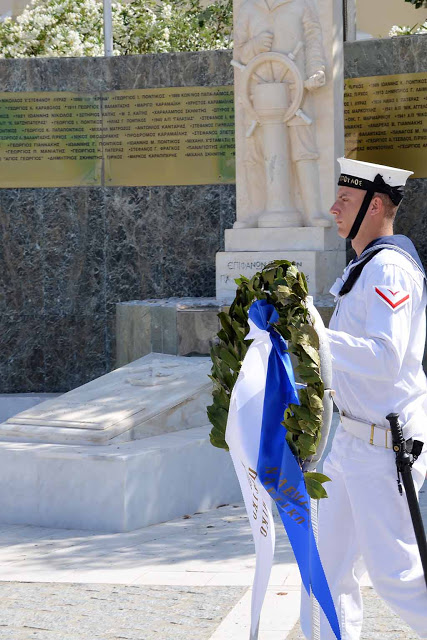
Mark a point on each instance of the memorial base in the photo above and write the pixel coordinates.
(318, 252)
(320, 268)
(124, 451)
(114, 488)
(179, 326)
(289, 239)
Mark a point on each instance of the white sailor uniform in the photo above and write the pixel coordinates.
(377, 337)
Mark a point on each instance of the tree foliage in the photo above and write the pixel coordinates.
(418, 4)
(416, 29)
(74, 28)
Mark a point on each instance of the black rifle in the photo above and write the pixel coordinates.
(404, 462)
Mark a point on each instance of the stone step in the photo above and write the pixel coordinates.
(289, 239)
(114, 488)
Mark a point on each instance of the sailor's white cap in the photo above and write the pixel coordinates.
(368, 171)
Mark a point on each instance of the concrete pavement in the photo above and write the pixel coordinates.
(188, 578)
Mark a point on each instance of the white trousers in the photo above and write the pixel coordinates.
(365, 524)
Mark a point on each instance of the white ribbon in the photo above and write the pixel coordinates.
(243, 436)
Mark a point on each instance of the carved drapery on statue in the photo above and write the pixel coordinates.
(279, 51)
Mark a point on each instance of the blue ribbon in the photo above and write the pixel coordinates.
(278, 469)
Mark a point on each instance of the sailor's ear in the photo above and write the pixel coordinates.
(376, 207)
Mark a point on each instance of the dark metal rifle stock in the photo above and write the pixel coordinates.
(404, 461)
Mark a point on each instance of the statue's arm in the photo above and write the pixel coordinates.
(315, 57)
(247, 47)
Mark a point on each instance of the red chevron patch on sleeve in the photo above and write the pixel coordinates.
(393, 297)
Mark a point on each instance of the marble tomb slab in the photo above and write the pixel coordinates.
(114, 488)
(153, 395)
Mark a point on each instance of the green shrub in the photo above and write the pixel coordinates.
(74, 28)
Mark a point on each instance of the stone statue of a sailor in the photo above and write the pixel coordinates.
(285, 26)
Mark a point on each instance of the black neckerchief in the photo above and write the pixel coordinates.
(399, 243)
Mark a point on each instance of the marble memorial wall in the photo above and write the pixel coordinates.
(137, 137)
(386, 116)
(376, 62)
(69, 254)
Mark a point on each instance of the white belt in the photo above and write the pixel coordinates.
(373, 433)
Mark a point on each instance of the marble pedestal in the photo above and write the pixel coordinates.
(177, 326)
(114, 488)
(124, 451)
(318, 252)
(184, 326)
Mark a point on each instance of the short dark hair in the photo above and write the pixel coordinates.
(389, 207)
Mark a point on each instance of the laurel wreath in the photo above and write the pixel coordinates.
(283, 286)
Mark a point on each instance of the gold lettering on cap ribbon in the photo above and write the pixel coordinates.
(348, 180)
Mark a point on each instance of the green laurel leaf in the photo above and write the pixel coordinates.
(281, 284)
(315, 475)
(230, 359)
(315, 489)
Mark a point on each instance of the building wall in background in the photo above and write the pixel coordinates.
(376, 17)
(405, 54)
(12, 7)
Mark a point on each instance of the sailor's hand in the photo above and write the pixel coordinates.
(263, 42)
(315, 81)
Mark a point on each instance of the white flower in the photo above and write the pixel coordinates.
(75, 28)
(167, 11)
(408, 31)
(395, 31)
(422, 28)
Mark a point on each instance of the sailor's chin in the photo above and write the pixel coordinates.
(340, 231)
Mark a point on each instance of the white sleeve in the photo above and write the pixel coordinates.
(389, 299)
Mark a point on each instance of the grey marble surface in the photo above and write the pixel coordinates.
(118, 72)
(69, 255)
(386, 56)
(411, 219)
(178, 326)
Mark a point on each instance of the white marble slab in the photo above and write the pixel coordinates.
(290, 239)
(114, 488)
(14, 403)
(320, 267)
(155, 394)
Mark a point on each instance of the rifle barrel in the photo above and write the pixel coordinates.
(417, 521)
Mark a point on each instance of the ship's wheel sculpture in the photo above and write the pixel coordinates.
(270, 104)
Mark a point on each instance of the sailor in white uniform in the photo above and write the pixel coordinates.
(377, 336)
